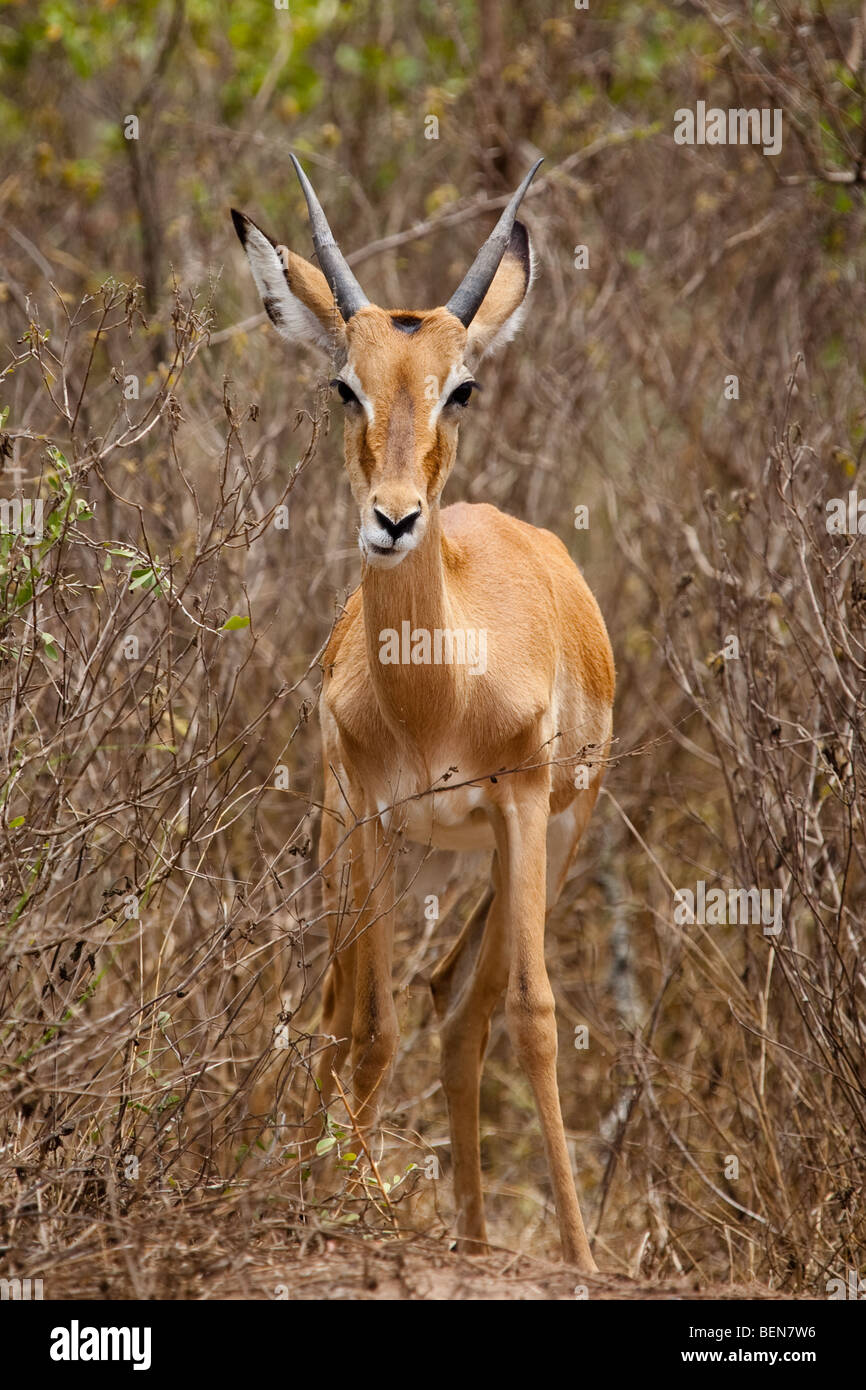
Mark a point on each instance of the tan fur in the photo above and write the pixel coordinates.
(503, 299)
(391, 732)
(308, 284)
(512, 734)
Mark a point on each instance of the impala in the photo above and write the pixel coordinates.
(434, 752)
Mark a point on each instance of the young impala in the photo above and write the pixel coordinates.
(525, 737)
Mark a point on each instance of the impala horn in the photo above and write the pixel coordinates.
(344, 287)
(466, 299)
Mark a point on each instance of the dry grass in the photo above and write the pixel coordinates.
(163, 942)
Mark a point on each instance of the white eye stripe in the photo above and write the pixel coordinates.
(350, 376)
(457, 374)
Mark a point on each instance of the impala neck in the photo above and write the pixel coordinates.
(418, 696)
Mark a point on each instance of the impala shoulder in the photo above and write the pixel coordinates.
(479, 533)
(482, 528)
(351, 619)
(547, 571)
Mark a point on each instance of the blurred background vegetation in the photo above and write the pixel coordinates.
(171, 1037)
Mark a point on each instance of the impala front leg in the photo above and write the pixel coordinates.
(374, 1021)
(338, 1001)
(521, 831)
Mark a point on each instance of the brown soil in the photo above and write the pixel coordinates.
(183, 1255)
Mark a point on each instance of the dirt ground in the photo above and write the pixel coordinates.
(187, 1255)
(421, 1271)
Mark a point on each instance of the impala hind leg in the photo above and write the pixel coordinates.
(466, 986)
(521, 833)
(564, 834)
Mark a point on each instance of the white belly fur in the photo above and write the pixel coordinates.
(458, 821)
(446, 820)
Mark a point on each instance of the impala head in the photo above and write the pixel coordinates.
(404, 376)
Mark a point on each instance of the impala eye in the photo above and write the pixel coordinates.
(460, 395)
(347, 395)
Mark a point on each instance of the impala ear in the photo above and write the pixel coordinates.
(295, 293)
(504, 305)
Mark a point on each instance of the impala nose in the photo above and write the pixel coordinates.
(396, 529)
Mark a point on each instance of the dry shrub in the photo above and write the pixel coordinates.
(183, 782)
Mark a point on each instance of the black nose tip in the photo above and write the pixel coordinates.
(396, 529)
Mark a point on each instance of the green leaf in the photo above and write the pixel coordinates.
(19, 820)
(138, 578)
(234, 623)
(325, 1145)
(50, 647)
